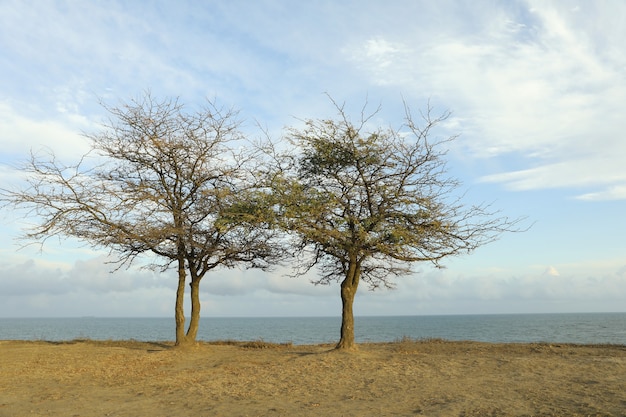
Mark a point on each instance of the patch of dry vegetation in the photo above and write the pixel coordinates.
(228, 378)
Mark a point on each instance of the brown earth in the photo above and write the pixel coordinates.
(404, 378)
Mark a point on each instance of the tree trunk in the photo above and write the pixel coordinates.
(179, 312)
(348, 290)
(192, 332)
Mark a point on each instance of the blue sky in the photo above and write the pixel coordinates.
(536, 88)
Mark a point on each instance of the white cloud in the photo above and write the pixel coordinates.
(552, 272)
(541, 85)
(237, 282)
(87, 288)
(503, 288)
(94, 275)
(21, 134)
(385, 60)
(28, 279)
(615, 192)
(601, 171)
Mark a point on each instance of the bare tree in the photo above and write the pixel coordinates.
(365, 205)
(158, 180)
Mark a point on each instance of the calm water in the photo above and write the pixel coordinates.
(563, 328)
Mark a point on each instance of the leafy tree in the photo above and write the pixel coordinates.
(366, 204)
(158, 180)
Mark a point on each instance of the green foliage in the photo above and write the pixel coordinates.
(380, 200)
(159, 180)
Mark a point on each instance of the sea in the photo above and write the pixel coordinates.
(579, 328)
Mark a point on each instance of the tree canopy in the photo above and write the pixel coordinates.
(158, 180)
(366, 204)
(362, 203)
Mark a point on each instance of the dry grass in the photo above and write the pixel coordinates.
(228, 378)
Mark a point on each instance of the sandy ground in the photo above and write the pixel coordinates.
(405, 378)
